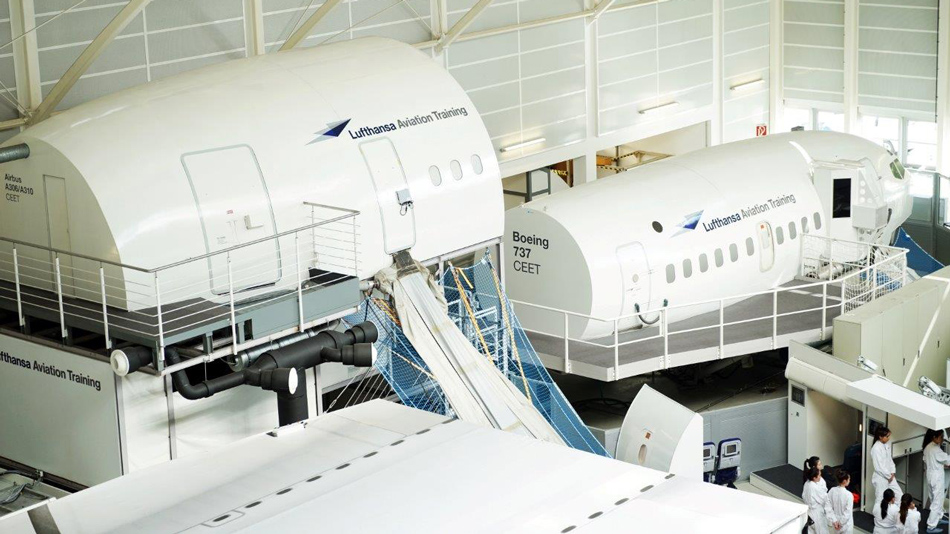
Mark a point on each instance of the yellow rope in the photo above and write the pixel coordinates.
(384, 306)
(420, 369)
(514, 344)
(461, 272)
(468, 308)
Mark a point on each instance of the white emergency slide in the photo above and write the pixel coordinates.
(381, 467)
(660, 433)
(475, 389)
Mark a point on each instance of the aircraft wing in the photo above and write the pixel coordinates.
(383, 467)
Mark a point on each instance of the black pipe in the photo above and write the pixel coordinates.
(271, 370)
(14, 152)
(293, 406)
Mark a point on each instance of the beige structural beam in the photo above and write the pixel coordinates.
(604, 5)
(253, 27)
(86, 59)
(304, 30)
(467, 19)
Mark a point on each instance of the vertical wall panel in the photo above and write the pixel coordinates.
(897, 61)
(745, 44)
(528, 84)
(814, 50)
(652, 55)
(409, 21)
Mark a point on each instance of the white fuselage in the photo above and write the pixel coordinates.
(720, 222)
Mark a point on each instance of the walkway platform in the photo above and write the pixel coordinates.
(642, 351)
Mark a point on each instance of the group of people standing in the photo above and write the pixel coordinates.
(831, 512)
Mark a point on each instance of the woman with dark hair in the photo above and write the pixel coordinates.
(883, 461)
(935, 461)
(839, 506)
(815, 462)
(908, 516)
(886, 514)
(814, 494)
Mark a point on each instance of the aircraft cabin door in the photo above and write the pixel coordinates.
(235, 208)
(636, 277)
(392, 194)
(766, 246)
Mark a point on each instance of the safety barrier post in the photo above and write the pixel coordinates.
(666, 339)
(824, 310)
(16, 280)
(356, 259)
(722, 328)
(874, 282)
(844, 291)
(299, 280)
(616, 349)
(105, 311)
(59, 296)
(774, 317)
(161, 325)
(234, 339)
(567, 361)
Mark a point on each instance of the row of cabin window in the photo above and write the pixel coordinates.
(435, 174)
(734, 250)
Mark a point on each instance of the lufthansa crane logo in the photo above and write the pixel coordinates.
(689, 223)
(332, 131)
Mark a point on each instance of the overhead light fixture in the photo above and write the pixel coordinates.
(747, 85)
(661, 107)
(525, 144)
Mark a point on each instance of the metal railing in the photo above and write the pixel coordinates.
(160, 305)
(859, 280)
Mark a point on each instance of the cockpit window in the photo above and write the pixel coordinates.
(897, 169)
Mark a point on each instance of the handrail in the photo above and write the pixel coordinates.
(740, 296)
(867, 272)
(349, 213)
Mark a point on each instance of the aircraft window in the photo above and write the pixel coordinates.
(792, 230)
(804, 225)
(779, 235)
(841, 198)
(897, 169)
(477, 164)
(733, 252)
(817, 221)
(670, 274)
(456, 169)
(749, 246)
(703, 263)
(687, 268)
(719, 260)
(657, 227)
(435, 175)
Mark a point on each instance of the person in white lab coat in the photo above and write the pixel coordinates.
(814, 461)
(908, 517)
(887, 514)
(839, 506)
(814, 495)
(935, 462)
(884, 476)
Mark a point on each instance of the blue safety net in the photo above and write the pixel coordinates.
(482, 311)
(917, 258)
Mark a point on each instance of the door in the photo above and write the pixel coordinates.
(766, 246)
(392, 193)
(235, 208)
(57, 219)
(636, 277)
